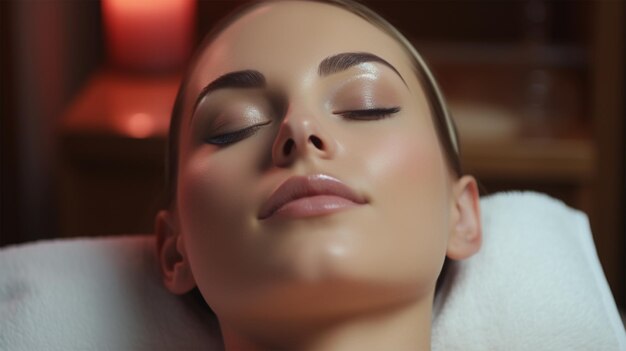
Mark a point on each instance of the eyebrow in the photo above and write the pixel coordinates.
(341, 62)
(246, 79)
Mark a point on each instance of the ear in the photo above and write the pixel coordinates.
(465, 230)
(173, 259)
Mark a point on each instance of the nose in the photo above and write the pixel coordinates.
(301, 137)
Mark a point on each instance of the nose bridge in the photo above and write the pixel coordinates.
(301, 134)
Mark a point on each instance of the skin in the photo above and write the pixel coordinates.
(359, 278)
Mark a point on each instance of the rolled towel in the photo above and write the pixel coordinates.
(536, 284)
(94, 294)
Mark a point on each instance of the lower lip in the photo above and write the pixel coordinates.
(314, 206)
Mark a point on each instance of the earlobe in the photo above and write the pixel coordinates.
(173, 259)
(466, 232)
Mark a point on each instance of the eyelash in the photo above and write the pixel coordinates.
(359, 115)
(233, 137)
(369, 114)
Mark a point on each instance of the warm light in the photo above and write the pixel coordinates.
(149, 35)
(140, 125)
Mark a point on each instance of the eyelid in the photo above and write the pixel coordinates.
(369, 113)
(219, 107)
(225, 139)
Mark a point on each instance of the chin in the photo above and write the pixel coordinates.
(344, 283)
(332, 295)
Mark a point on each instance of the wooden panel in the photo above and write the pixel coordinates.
(110, 185)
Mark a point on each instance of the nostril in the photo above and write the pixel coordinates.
(317, 142)
(288, 147)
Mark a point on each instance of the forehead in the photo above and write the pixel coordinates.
(283, 37)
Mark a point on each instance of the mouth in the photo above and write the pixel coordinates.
(308, 196)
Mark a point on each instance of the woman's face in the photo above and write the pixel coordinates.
(298, 182)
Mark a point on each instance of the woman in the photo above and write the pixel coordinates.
(315, 183)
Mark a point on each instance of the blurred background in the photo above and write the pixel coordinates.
(536, 88)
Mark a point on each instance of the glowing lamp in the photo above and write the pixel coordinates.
(149, 35)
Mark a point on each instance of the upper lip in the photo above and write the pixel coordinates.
(298, 187)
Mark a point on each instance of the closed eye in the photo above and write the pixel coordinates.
(233, 137)
(368, 114)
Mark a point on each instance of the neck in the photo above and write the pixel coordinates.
(406, 327)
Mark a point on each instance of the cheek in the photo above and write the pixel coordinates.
(407, 162)
(410, 162)
(204, 187)
(213, 211)
(410, 197)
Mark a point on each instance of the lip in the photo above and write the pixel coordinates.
(307, 196)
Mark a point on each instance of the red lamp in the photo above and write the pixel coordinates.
(149, 35)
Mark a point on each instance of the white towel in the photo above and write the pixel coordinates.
(535, 285)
